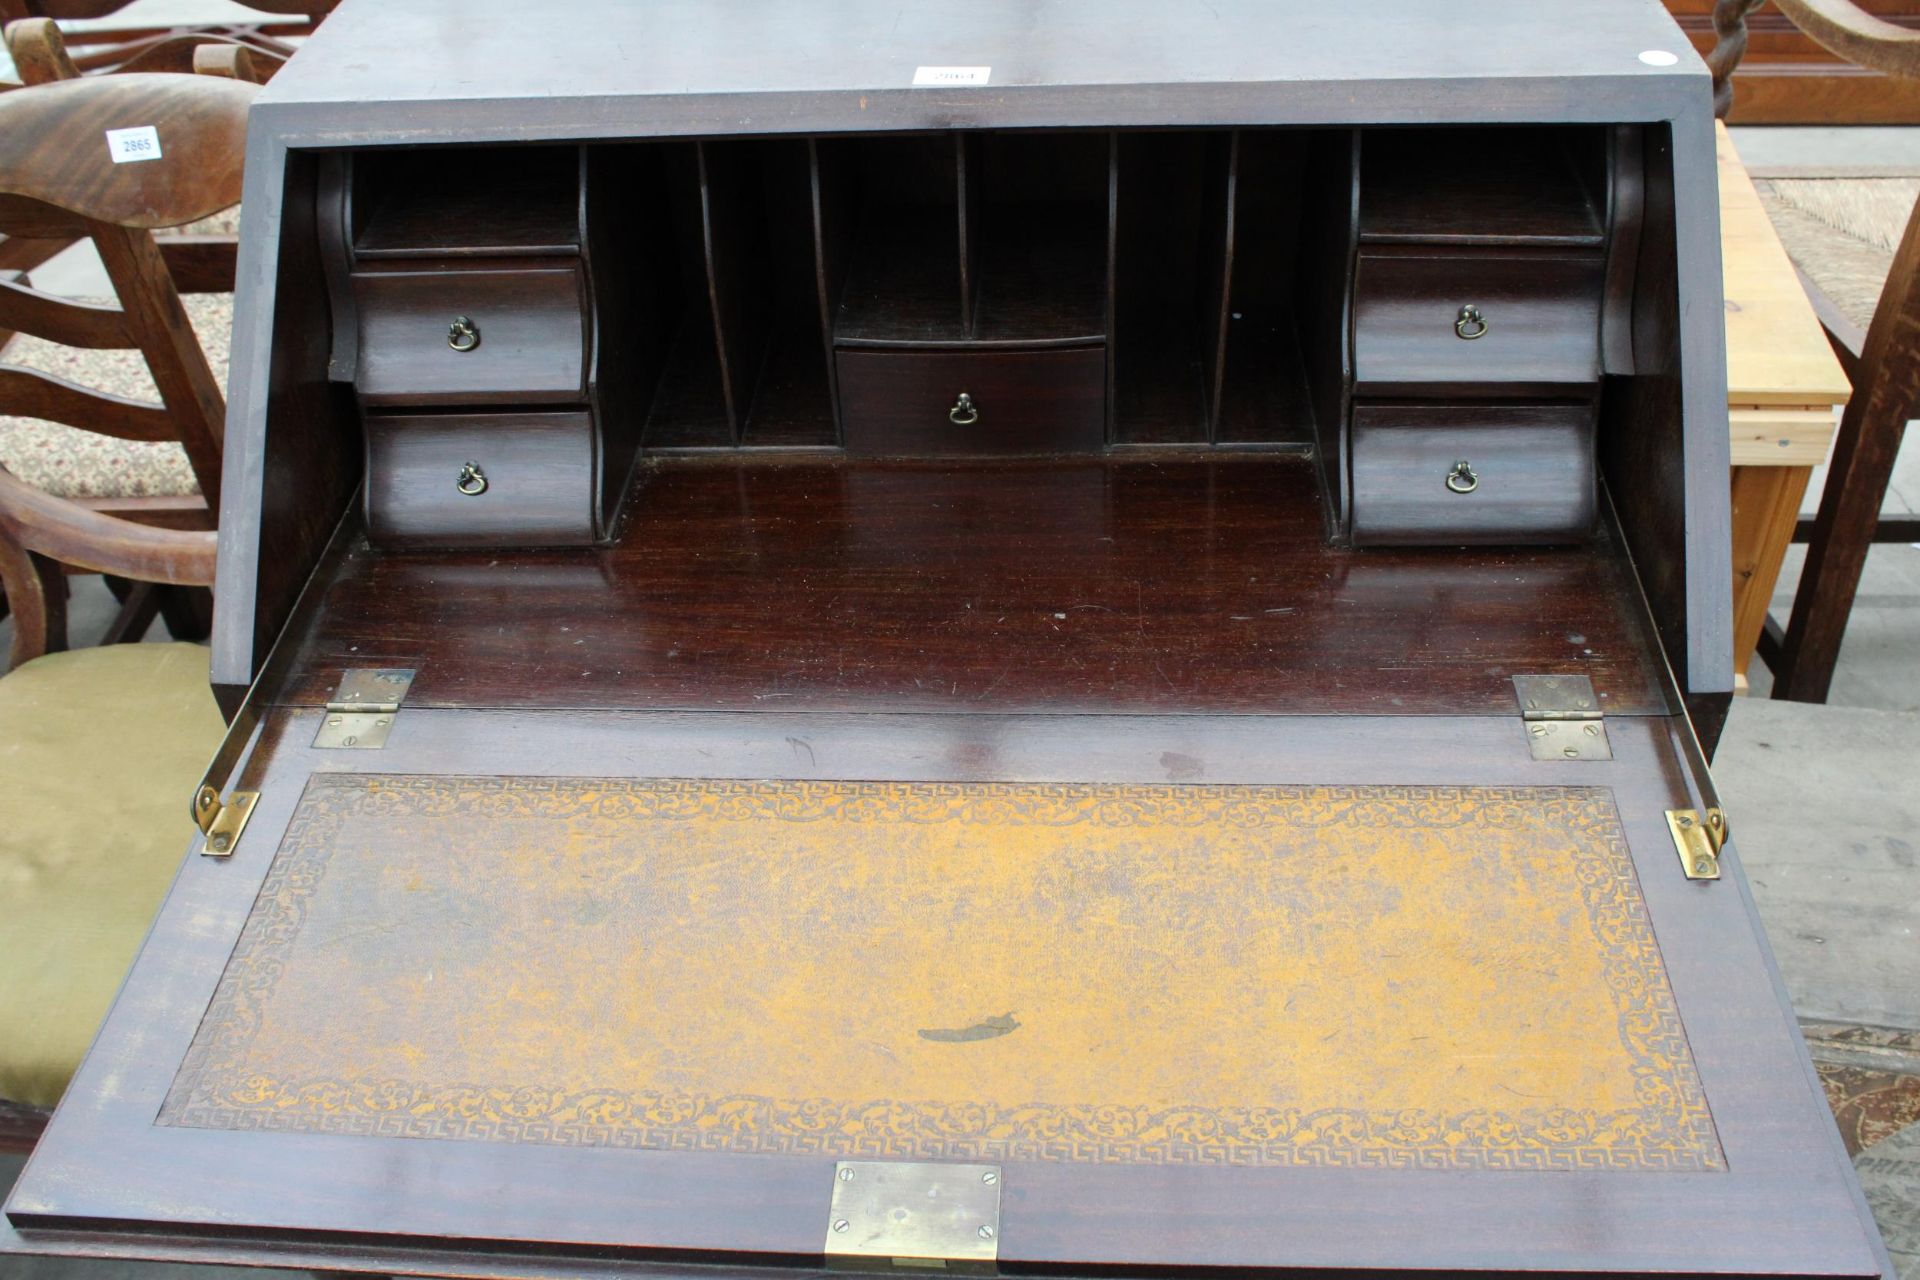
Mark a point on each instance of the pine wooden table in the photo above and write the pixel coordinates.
(1783, 385)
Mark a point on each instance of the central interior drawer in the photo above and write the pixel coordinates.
(972, 403)
(523, 330)
(1534, 319)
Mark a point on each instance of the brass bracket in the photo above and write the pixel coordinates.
(918, 1215)
(221, 823)
(1698, 838)
(360, 714)
(1562, 717)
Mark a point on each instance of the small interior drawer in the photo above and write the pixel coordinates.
(1528, 474)
(1535, 320)
(524, 334)
(1015, 402)
(531, 484)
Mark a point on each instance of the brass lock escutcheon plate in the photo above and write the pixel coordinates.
(914, 1214)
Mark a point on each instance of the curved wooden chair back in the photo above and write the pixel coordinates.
(174, 48)
(54, 152)
(41, 536)
(1839, 26)
(59, 180)
(1883, 364)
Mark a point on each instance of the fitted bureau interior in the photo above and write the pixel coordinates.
(854, 418)
(1374, 299)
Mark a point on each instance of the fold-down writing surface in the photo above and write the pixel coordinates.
(1446, 977)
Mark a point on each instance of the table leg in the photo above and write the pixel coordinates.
(1766, 503)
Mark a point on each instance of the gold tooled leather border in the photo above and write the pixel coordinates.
(1671, 1128)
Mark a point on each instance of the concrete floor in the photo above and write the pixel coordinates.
(1825, 812)
(1824, 801)
(1864, 148)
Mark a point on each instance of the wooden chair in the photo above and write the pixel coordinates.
(198, 263)
(1883, 364)
(175, 48)
(103, 746)
(57, 182)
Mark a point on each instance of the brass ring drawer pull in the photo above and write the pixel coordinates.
(473, 481)
(1462, 479)
(463, 334)
(1470, 324)
(964, 412)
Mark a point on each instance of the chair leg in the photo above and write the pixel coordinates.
(1836, 557)
(139, 606)
(1884, 395)
(37, 591)
(188, 611)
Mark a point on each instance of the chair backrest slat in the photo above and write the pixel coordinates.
(29, 393)
(58, 178)
(24, 309)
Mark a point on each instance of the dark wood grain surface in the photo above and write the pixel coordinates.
(538, 469)
(1160, 238)
(633, 296)
(1219, 210)
(1263, 388)
(748, 616)
(1077, 65)
(970, 184)
(1042, 274)
(793, 404)
(1329, 242)
(309, 464)
(468, 202)
(1641, 437)
(1542, 316)
(1484, 187)
(1626, 213)
(1531, 468)
(1782, 1205)
(834, 222)
(741, 305)
(903, 280)
(1185, 584)
(904, 403)
(531, 324)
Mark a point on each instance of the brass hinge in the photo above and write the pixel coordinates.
(910, 1214)
(361, 712)
(1698, 837)
(1562, 717)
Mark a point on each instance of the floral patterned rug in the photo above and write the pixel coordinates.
(1872, 1080)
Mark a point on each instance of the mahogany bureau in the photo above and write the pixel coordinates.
(1064, 638)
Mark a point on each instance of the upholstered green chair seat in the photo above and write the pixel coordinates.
(99, 753)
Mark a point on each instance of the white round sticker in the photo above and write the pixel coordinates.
(1659, 58)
